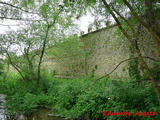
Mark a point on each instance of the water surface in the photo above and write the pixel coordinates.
(42, 114)
(2, 108)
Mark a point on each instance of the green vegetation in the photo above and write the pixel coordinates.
(72, 98)
(49, 29)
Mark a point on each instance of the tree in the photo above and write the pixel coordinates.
(33, 40)
(133, 39)
(135, 9)
(1, 67)
(70, 54)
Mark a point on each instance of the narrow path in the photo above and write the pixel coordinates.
(2, 102)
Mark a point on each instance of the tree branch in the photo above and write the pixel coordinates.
(123, 18)
(123, 61)
(15, 66)
(9, 18)
(129, 38)
(44, 45)
(8, 4)
(126, 61)
(154, 35)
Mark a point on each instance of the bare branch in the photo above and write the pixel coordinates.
(123, 18)
(4, 3)
(21, 19)
(123, 61)
(126, 61)
(154, 35)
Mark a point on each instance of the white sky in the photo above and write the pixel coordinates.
(82, 23)
(85, 21)
(4, 29)
(15, 25)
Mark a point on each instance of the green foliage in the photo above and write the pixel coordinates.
(134, 69)
(119, 40)
(71, 46)
(89, 2)
(70, 53)
(72, 98)
(30, 42)
(1, 67)
(24, 97)
(156, 70)
(114, 95)
(28, 3)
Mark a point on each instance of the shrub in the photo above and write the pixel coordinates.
(80, 98)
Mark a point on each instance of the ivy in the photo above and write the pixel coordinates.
(134, 70)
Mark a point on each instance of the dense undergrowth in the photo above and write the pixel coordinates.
(78, 98)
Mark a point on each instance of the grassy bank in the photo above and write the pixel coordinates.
(75, 98)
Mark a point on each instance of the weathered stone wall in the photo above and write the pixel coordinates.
(105, 55)
(103, 58)
(106, 51)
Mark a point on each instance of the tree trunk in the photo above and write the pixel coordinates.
(129, 38)
(14, 66)
(41, 56)
(147, 26)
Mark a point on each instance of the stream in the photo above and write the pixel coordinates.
(42, 114)
(2, 108)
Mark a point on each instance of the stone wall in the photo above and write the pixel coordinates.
(106, 52)
(105, 55)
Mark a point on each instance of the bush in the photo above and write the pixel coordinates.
(112, 95)
(79, 98)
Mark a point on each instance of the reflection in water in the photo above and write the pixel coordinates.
(42, 114)
(2, 102)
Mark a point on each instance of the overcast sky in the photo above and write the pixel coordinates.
(15, 25)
